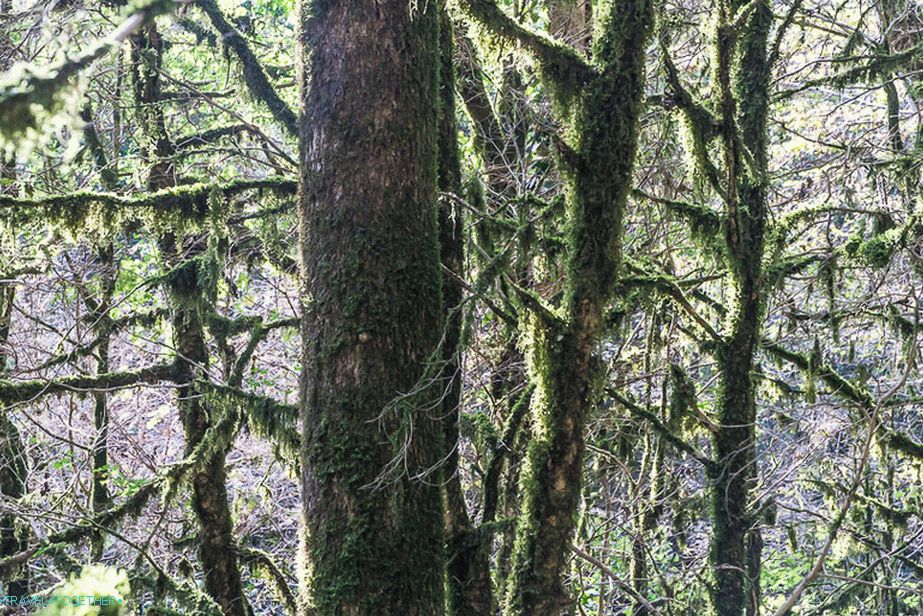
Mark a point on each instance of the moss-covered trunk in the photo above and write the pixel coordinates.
(14, 536)
(469, 589)
(744, 79)
(372, 435)
(216, 547)
(561, 353)
(103, 329)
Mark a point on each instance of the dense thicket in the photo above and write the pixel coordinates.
(476, 308)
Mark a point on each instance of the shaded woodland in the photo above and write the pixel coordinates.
(476, 308)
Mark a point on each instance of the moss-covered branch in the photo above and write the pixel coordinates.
(560, 63)
(22, 391)
(171, 208)
(268, 418)
(262, 561)
(164, 484)
(211, 136)
(702, 219)
(842, 387)
(876, 65)
(29, 96)
(253, 73)
(662, 429)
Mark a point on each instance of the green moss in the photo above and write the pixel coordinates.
(101, 215)
(32, 98)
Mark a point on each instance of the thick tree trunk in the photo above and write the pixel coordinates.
(370, 255)
(216, 547)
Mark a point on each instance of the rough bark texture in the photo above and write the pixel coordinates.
(217, 551)
(744, 78)
(372, 320)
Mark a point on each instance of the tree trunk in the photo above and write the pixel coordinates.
(372, 435)
(217, 551)
(14, 536)
(468, 584)
(744, 78)
(561, 354)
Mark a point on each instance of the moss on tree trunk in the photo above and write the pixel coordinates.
(743, 72)
(372, 434)
(469, 589)
(561, 354)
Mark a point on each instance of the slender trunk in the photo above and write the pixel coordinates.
(217, 550)
(102, 328)
(14, 536)
(561, 354)
(468, 583)
(499, 153)
(372, 436)
(744, 78)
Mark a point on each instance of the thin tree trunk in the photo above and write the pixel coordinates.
(468, 584)
(743, 74)
(372, 435)
(217, 551)
(14, 536)
(102, 328)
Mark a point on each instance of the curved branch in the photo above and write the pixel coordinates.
(253, 73)
(560, 63)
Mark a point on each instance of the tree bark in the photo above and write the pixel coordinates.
(561, 352)
(372, 435)
(469, 589)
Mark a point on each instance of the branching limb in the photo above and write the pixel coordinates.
(559, 62)
(253, 73)
(262, 560)
(23, 391)
(662, 429)
(183, 203)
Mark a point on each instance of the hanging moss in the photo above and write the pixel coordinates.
(682, 400)
(178, 210)
(31, 98)
(258, 85)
